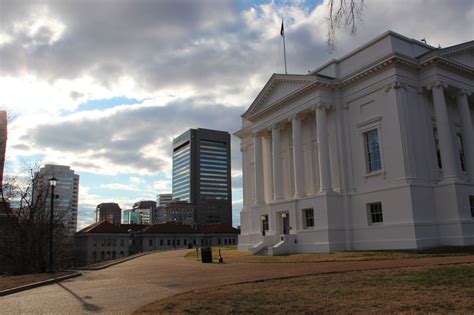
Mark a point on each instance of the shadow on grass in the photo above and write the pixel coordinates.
(86, 306)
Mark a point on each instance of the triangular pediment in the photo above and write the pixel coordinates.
(278, 87)
(463, 54)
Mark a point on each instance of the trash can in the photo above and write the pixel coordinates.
(206, 254)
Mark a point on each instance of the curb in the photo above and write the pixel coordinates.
(38, 284)
(115, 262)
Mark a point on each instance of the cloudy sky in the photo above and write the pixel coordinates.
(104, 86)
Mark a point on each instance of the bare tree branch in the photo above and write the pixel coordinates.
(343, 14)
(25, 225)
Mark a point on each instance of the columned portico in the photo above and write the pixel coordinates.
(276, 163)
(467, 132)
(298, 159)
(444, 131)
(323, 152)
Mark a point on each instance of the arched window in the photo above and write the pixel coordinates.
(121, 253)
(94, 256)
(108, 255)
(102, 255)
(113, 255)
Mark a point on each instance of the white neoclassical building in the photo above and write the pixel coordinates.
(374, 150)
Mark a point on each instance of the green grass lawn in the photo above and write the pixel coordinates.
(443, 289)
(231, 254)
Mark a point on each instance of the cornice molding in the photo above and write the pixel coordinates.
(458, 51)
(444, 62)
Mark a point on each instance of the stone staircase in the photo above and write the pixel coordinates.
(262, 252)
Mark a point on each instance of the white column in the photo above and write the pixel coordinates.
(323, 150)
(268, 167)
(298, 158)
(258, 169)
(467, 133)
(444, 132)
(244, 176)
(277, 165)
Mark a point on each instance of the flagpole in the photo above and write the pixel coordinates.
(284, 46)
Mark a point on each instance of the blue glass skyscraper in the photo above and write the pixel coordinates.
(201, 174)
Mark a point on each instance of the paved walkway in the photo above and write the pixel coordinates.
(123, 288)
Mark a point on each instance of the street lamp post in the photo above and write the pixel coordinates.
(52, 183)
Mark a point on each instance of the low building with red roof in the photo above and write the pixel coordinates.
(103, 240)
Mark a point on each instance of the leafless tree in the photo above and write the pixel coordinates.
(343, 14)
(24, 226)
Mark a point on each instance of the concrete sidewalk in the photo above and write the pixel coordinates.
(123, 288)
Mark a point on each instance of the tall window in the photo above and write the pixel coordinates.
(308, 217)
(438, 153)
(375, 212)
(471, 201)
(372, 150)
(461, 150)
(264, 219)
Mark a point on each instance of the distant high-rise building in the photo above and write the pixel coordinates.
(3, 142)
(201, 174)
(67, 191)
(108, 211)
(159, 215)
(145, 210)
(163, 199)
(131, 217)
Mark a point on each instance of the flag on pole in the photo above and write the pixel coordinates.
(282, 33)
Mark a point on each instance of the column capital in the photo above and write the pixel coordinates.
(267, 132)
(436, 84)
(277, 126)
(462, 92)
(396, 85)
(321, 106)
(296, 117)
(421, 90)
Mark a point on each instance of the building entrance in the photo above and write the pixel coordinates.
(285, 219)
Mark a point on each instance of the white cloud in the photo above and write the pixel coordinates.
(118, 186)
(162, 186)
(194, 63)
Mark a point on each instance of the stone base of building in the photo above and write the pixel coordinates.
(415, 217)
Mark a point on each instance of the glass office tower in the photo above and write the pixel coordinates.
(201, 174)
(182, 173)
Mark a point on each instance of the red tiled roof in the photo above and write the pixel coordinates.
(164, 228)
(216, 229)
(102, 227)
(134, 227)
(169, 228)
